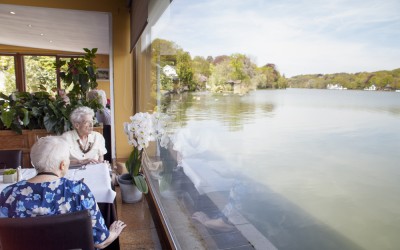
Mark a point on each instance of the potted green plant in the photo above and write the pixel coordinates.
(142, 129)
(10, 175)
(81, 73)
(50, 111)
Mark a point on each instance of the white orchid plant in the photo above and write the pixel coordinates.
(143, 129)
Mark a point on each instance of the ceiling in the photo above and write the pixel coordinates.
(55, 29)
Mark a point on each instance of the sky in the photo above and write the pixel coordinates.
(299, 37)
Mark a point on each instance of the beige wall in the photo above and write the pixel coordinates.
(121, 57)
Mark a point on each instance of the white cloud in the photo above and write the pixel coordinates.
(299, 37)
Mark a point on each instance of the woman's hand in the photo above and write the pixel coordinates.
(117, 227)
(89, 161)
(115, 230)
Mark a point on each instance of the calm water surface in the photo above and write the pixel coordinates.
(321, 167)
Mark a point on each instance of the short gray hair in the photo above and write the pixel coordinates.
(78, 114)
(98, 94)
(48, 153)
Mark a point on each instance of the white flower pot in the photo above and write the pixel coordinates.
(129, 192)
(10, 178)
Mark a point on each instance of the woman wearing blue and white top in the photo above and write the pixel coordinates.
(49, 193)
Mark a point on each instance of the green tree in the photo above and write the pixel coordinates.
(202, 71)
(220, 76)
(7, 75)
(237, 62)
(184, 69)
(40, 71)
(201, 66)
(163, 52)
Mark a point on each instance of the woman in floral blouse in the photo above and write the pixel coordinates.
(49, 193)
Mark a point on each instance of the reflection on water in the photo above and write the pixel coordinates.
(310, 169)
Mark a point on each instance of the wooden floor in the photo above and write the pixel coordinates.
(140, 232)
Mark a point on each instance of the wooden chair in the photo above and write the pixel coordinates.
(107, 138)
(10, 158)
(64, 231)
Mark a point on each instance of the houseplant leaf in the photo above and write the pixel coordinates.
(141, 184)
(25, 121)
(7, 117)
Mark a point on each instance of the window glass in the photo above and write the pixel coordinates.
(40, 71)
(284, 122)
(7, 74)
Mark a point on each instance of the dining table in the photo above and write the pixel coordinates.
(97, 177)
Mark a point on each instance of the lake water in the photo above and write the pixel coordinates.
(311, 169)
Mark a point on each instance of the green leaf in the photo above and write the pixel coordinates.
(141, 184)
(90, 71)
(26, 117)
(7, 117)
(48, 123)
(3, 96)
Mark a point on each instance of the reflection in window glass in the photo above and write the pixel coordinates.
(7, 75)
(265, 152)
(40, 71)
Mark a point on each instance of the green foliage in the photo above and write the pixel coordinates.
(14, 111)
(39, 73)
(220, 76)
(237, 62)
(201, 66)
(184, 69)
(9, 171)
(7, 74)
(80, 74)
(38, 110)
(45, 110)
(133, 165)
(166, 83)
(383, 80)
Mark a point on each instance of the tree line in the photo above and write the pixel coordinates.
(222, 72)
(217, 74)
(383, 80)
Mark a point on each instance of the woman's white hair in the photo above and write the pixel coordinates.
(78, 114)
(98, 94)
(48, 153)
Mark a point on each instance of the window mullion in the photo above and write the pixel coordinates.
(19, 72)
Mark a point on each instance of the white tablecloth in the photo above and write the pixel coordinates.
(97, 177)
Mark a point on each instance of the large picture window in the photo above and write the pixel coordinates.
(284, 122)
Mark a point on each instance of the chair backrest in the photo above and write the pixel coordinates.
(64, 231)
(10, 158)
(107, 138)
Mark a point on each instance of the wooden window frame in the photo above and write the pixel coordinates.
(19, 65)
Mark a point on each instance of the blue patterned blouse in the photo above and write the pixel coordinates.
(25, 199)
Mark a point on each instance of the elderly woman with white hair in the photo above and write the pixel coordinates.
(49, 193)
(86, 146)
(103, 115)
